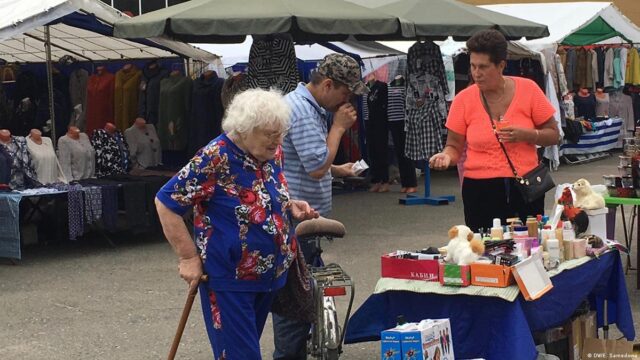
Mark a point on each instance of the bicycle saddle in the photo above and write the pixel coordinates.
(320, 227)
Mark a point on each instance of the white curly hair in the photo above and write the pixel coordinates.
(257, 108)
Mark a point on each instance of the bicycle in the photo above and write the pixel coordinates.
(328, 281)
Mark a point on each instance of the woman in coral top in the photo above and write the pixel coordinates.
(523, 118)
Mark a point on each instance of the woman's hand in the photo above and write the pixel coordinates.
(301, 210)
(440, 161)
(511, 134)
(190, 269)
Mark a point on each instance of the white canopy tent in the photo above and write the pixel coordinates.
(46, 30)
(22, 33)
(566, 19)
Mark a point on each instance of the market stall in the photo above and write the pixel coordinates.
(590, 28)
(95, 86)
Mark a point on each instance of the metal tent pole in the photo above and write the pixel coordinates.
(52, 117)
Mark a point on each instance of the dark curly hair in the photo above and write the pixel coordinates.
(490, 42)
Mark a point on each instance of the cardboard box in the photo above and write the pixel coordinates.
(532, 278)
(412, 269)
(429, 339)
(491, 275)
(390, 348)
(455, 275)
(442, 329)
(589, 325)
(598, 222)
(573, 329)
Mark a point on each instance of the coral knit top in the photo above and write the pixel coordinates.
(529, 108)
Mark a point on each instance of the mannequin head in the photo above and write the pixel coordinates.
(5, 135)
(101, 69)
(584, 91)
(36, 136)
(110, 128)
(127, 66)
(140, 123)
(73, 132)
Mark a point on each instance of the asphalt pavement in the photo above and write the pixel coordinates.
(89, 300)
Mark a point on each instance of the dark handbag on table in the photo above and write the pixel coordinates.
(532, 185)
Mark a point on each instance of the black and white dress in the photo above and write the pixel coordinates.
(112, 153)
(425, 103)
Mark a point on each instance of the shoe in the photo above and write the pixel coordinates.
(384, 188)
(374, 188)
(411, 190)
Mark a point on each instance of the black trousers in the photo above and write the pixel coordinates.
(378, 145)
(406, 165)
(486, 199)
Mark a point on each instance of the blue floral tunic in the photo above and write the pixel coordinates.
(241, 216)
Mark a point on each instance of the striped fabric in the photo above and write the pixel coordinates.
(605, 138)
(273, 64)
(395, 109)
(305, 151)
(365, 107)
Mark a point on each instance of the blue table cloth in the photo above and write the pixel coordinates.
(10, 225)
(493, 328)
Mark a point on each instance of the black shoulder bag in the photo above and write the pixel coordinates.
(534, 184)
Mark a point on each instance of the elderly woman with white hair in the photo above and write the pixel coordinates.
(244, 240)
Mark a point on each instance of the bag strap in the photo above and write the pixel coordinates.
(495, 132)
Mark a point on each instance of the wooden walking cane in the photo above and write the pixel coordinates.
(193, 290)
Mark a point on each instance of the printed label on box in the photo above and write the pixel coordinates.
(486, 279)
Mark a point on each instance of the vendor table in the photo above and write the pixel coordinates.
(494, 328)
(613, 203)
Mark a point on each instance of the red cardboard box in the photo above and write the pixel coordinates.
(455, 275)
(491, 275)
(394, 267)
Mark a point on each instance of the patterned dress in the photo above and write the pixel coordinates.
(426, 107)
(242, 232)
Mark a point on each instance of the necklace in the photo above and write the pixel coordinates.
(504, 91)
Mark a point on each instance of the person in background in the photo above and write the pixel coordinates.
(242, 222)
(523, 119)
(309, 151)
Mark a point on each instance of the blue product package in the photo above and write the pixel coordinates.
(390, 345)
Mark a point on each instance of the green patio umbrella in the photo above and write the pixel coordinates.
(228, 21)
(437, 19)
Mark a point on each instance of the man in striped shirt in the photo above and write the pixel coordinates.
(309, 151)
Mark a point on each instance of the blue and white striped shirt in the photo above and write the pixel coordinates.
(305, 150)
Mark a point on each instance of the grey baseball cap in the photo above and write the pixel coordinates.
(345, 69)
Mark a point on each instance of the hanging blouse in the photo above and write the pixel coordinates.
(100, 105)
(174, 112)
(144, 146)
(273, 63)
(77, 157)
(45, 161)
(127, 86)
(112, 153)
(78, 94)
(396, 103)
(425, 102)
(23, 175)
